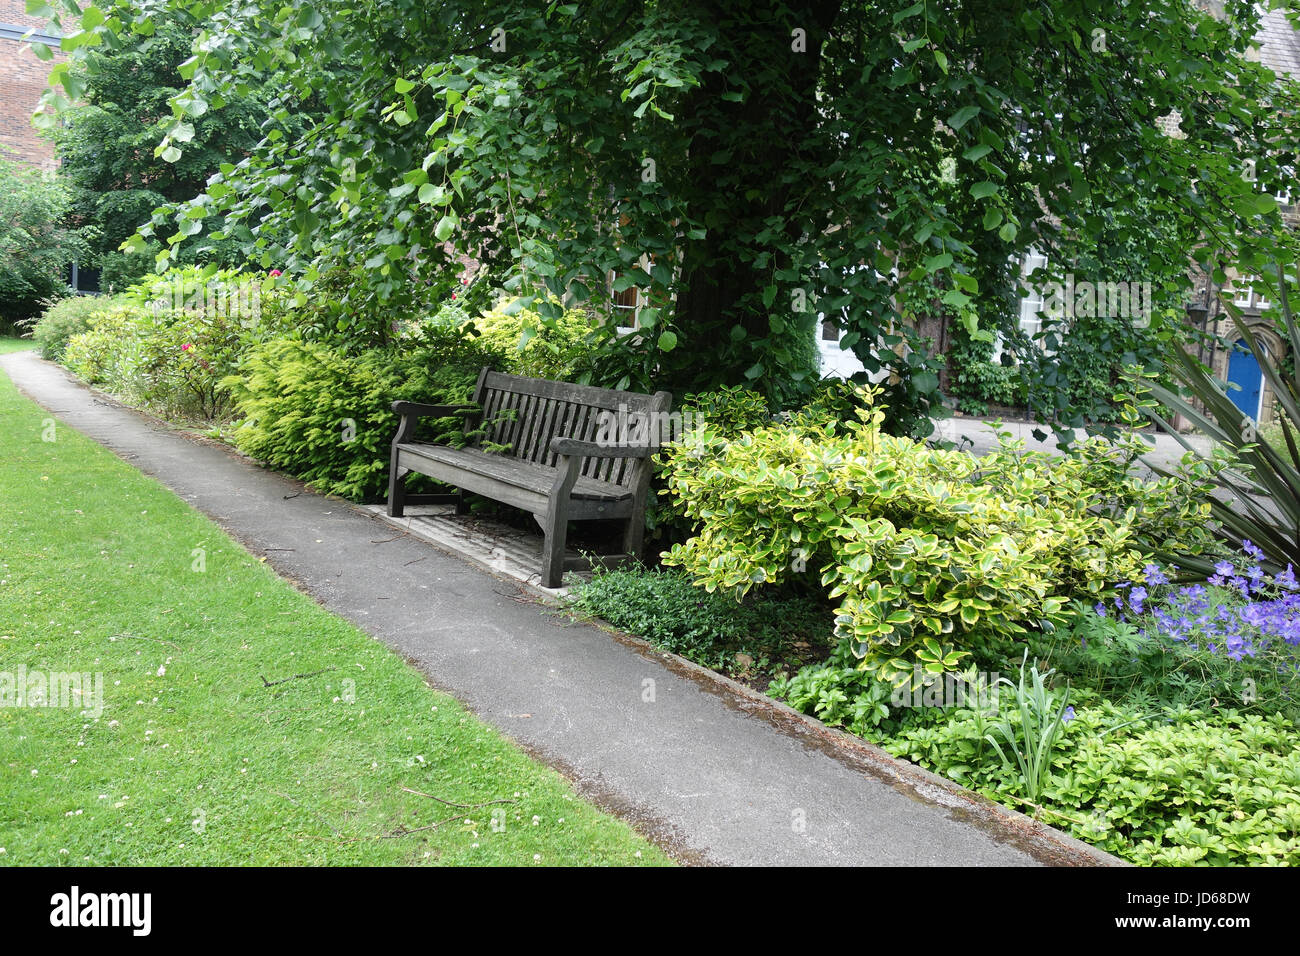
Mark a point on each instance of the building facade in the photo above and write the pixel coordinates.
(22, 80)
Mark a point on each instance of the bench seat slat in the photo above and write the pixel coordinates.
(526, 475)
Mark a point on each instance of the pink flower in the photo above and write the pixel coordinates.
(453, 297)
(275, 273)
(186, 347)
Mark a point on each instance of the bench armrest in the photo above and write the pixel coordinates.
(412, 412)
(591, 449)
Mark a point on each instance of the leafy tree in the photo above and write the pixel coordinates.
(36, 245)
(106, 142)
(735, 161)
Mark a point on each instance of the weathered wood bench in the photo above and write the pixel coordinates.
(535, 445)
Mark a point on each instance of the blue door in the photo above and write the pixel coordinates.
(1243, 371)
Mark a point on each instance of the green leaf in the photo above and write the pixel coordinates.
(446, 226)
(983, 190)
(963, 116)
(925, 382)
(667, 341)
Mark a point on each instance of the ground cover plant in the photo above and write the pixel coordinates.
(200, 756)
(749, 641)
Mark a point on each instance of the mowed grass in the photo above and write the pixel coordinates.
(9, 344)
(194, 761)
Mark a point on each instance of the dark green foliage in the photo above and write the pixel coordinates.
(106, 144)
(858, 164)
(36, 244)
(838, 693)
(710, 629)
(976, 380)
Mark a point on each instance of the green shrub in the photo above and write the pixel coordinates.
(64, 319)
(975, 380)
(170, 362)
(562, 349)
(665, 608)
(324, 415)
(917, 542)
(728, 410)
(106, 352)
(121, 270)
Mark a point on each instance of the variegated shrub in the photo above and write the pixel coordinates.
(926, 549)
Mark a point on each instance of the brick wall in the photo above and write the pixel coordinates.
(22, 80)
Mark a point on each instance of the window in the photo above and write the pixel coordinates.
(626, 304)
(1031, 302)
(1245, 296)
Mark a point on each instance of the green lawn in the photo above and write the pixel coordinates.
(8, 344)
(193, 759)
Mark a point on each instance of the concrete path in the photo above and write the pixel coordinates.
(978, 436)
(709, 770)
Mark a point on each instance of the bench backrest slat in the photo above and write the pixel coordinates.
(526, 414)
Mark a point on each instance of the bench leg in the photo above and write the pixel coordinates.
(396, 490)
(633, 535)
(556, 533)
(462, 506)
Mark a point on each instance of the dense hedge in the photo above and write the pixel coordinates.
(324, 415)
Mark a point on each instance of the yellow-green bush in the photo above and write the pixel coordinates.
(561, 349)
(928, 550)
(66, 318)
(325, 415)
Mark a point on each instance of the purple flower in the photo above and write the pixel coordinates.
(1069, 715)
(1155, 577)
(1251, 550)
(1100, 609)
(1136, 597)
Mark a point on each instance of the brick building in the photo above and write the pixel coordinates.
(22, 80)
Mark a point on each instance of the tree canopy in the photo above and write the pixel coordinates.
(744, 165)
(106, 142)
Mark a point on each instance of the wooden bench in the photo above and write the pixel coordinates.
(536, 445)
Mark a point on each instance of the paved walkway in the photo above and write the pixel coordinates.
(714, 774)
(978, 436)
